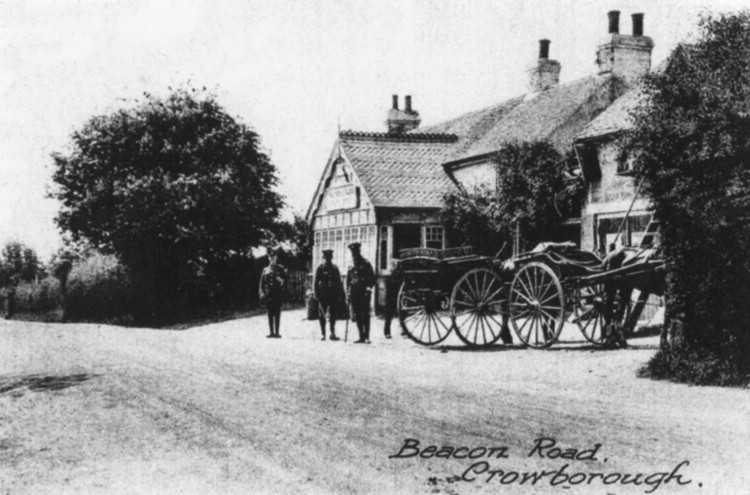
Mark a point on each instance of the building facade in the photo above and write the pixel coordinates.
(385, 189)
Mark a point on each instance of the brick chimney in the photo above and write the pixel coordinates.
(546, 73)
(625, 56)
(401, 121)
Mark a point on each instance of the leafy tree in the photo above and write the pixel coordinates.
(18, 262)
(693, 135)
(298, 235)
(471, 217)
(170, 185)
(534, 192)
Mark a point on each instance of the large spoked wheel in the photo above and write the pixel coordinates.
(596, 310)
(477, 305)
(536, 305)
(424, 315)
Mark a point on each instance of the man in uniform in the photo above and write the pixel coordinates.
(360, 280)
(271, 291)
(328, 291)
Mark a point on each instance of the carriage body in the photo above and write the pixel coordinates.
(443, 290)
(534, 293)
(558, 283)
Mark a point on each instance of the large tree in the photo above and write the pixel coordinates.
(170, 185)
(533, 195)
(692, 133)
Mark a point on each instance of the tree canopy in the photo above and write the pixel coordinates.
(692, 133)
(533, 191)
(169, 185)
(18, 262)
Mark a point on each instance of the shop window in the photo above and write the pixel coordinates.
(434, 237)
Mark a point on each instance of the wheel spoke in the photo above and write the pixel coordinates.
(484, 333)
(414, 315)
(492, 296)
(548, 315)
(530, 287)
(546, 289)
(499, 323)
(464, 303)
(442, 323)
(469, 298)
(528, 301)
(525, 287)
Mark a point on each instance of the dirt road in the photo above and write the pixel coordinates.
(221, 409)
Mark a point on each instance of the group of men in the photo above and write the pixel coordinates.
(330, 293)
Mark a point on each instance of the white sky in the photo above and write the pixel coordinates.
(290, 69)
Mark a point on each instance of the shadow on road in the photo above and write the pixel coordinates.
(562, 346)
(43, 383)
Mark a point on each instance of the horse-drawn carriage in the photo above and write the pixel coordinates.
(534, 293)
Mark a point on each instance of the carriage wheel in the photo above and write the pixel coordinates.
(477, 305)
(595, 310)
(537, 305)
(424, 315)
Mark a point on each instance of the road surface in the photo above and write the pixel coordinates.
(220, 409)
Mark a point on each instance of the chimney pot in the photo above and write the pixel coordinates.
(614, 21)
(637, 24)
(395, 102)
(407, 103)
(543, 48)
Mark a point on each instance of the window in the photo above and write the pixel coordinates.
(363, 234)
(624, 165)
(434, 237)
(631, 234)
(339, 235)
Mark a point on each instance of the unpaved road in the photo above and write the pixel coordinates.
(221, 409)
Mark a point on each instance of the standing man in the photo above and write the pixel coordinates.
(360, 280)
(392, 286)
(328, 292)
(271, 291)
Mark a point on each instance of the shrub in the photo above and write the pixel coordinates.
(99, 288)
(692, 133)
(38, 297)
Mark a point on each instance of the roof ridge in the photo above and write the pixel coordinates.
(426, 137)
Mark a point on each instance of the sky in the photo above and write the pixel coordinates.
(295, 71)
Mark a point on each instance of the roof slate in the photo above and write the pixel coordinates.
(555, 115)
(400, 172)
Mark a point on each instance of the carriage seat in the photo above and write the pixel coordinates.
(625, 256)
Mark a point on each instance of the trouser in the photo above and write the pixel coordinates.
(361, 310)
(274, 315)
(327, 306)
(390, 313)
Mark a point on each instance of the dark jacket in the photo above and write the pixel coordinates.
(327, 283)
(273, 281)
(360, 278)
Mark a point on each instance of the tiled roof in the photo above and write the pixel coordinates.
(614, 119)
(406, 170)
(556, 115)
(401, 171)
